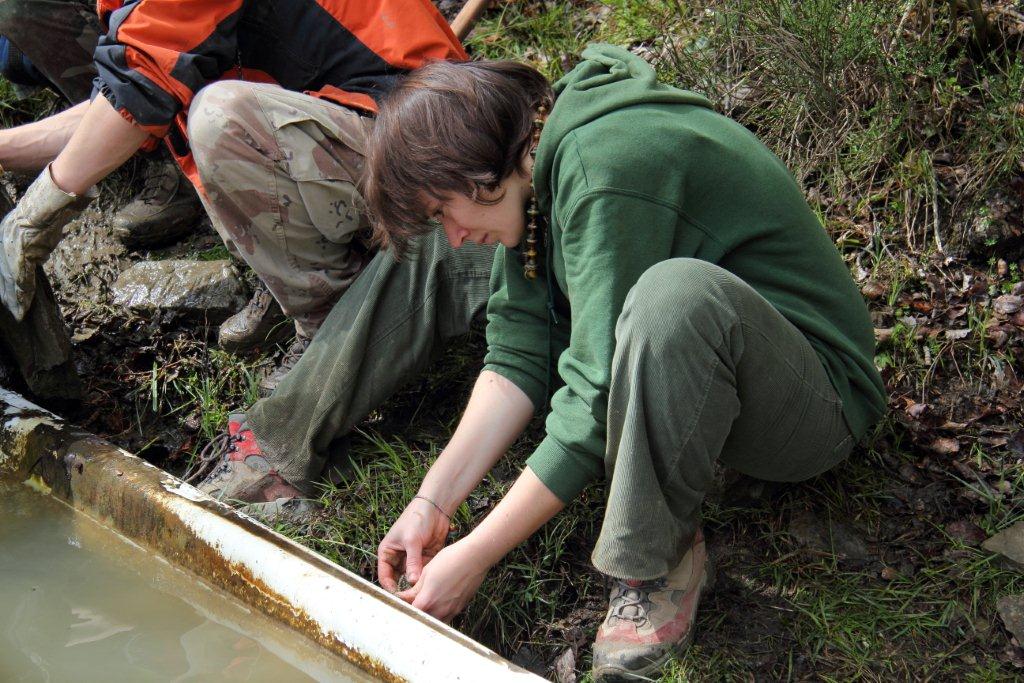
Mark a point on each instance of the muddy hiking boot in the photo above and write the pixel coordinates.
(166, 209)
(288, 360)
(29, 233)
(242, 474)
(649, 621)
(260, 323)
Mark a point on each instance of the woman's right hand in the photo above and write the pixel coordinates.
(413, 540)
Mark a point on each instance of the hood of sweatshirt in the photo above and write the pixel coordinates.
(609, 78)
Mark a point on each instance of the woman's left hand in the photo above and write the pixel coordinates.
(449, 582)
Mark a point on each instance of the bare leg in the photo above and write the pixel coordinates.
(29, 148)
(102, 141)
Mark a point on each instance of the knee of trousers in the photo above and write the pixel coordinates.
(676, 304)
(218, 115)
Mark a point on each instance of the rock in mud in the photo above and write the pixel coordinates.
(1009, 543)
(1011, 611)
(213, 288)
(565, 667)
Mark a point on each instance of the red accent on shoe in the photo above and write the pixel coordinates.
(243, 441)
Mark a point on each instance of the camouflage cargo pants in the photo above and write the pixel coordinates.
(279, 171)
(58, 37)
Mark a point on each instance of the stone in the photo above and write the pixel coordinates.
(832, 537)
(1009, 543)
(872, 290)
(565, 667)
(213, 288)
(1011, 611)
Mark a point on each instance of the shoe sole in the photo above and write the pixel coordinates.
(296, 513)
(611, 674)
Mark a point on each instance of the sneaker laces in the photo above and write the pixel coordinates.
(152, 183)
(626, 596)
(213, 459)
(258, 298)
(294, 352)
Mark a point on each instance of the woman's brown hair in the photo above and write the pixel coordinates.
(448, 127)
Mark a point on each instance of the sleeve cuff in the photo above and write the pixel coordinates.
(565, 473)
(534, 389)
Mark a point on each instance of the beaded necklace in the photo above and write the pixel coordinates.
(530, 267)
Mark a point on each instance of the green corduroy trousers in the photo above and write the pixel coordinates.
(382, 333)
(705, 370)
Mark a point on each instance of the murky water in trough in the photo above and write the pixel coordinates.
(79, 603)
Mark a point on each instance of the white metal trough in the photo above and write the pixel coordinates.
(345, 614)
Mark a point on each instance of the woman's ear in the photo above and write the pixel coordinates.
(525, 168)
(489, 196)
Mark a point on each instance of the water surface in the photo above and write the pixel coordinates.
(80, 603)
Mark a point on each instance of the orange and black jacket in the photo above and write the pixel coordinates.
(157, 54)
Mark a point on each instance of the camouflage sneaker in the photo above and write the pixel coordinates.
(165, 210)
(242, 472)
(649, 621)
(260, 323)
(288, 361)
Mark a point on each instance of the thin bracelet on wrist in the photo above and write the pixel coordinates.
(439, 508)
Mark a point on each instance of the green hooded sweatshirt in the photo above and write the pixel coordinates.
(632, 172)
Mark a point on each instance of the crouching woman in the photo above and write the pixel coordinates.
(661, 272)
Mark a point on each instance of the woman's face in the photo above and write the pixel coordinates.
(495, 217)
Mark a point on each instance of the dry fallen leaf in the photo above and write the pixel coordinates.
(916, 410)
(945, 445)
(1016, 443)
(1007, 304)
(956, 312)
(966, 531)
(1011, 611)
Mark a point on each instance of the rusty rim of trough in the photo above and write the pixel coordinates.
(342, 612)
